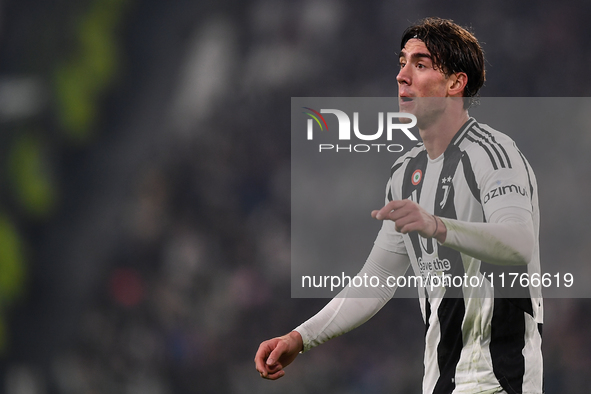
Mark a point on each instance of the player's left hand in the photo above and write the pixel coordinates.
(410, 216)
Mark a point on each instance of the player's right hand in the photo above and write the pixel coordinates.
(277, 353)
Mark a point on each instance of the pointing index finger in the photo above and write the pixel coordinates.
(383, 213)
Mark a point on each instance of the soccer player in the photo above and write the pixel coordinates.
(461, 203)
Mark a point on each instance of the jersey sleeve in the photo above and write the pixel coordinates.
(353, 306)
(507, 239)
(504, 181)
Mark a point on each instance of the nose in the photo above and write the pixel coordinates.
(403, 75)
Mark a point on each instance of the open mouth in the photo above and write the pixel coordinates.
(406, 99)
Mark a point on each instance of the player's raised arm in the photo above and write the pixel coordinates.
(507, 240)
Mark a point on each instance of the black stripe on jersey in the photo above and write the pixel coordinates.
(427, 312)
(444, 196)
(488, 152)
(419, 162)
(495, 144)
(450, 313)
(394, 168)
(486, 138)
(459, 137)
(504, 153)
(508, 328)
(499, 271)
(543, 381)
(507, 342)
(478, 133)
(452, 309)
(469, 176)
(531, 187)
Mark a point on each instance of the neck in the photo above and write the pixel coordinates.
(437, 135)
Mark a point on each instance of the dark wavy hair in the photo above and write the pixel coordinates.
(453, 49)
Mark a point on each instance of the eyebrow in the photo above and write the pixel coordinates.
(419, 55)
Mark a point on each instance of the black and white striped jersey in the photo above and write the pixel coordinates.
(477, 338)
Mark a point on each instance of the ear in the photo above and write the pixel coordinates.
(457, 83)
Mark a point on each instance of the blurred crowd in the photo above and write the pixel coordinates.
(145, 207)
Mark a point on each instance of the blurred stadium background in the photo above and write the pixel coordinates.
(145, 194)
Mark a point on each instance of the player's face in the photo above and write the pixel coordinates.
(419, 79)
